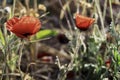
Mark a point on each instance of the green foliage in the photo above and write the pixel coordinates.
(116, 56)
(2, 40)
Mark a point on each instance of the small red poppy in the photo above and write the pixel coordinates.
(108, 63)
(82, 22)
(45, 57)
(23, 27)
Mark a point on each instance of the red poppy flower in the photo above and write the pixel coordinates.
(45, 57)
(108, 63)
(23, 27)
(82, 22)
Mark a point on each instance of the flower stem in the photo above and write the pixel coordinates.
(19, 61)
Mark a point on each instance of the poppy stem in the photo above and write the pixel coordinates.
(78, 7)
(20, 57)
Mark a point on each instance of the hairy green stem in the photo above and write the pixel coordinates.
(19, 61)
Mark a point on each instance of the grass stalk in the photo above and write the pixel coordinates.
(97, 3)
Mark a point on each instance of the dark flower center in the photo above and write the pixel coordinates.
(27, 34)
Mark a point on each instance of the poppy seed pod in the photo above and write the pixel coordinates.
(23, 27)
(82, 22)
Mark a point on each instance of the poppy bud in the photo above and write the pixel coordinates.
(108, 62)
(23, 27)
(45, 57)
(82, 22)
(62, 39)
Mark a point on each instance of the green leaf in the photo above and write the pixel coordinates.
(2, 38)
(117, 56)
(44, 34)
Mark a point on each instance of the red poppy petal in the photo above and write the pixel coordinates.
(33, 23)
(10, 23)
(83, 22)
(92, 21)
(37, 25)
